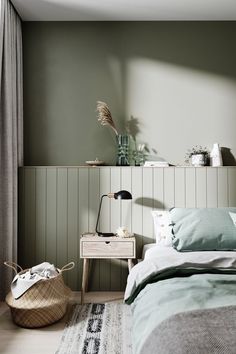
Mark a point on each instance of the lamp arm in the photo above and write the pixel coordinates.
(99, 211)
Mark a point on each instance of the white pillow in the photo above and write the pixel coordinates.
(162, 227)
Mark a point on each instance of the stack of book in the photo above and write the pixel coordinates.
(156, 164)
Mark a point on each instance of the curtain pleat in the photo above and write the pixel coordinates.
(11, 135)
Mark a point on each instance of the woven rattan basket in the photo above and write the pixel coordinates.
(43, 304)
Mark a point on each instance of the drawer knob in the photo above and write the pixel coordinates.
(107, 242)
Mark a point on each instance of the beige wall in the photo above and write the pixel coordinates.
(177, 78)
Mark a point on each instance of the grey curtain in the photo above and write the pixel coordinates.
(11, 135)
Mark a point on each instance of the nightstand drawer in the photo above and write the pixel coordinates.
(107, 249)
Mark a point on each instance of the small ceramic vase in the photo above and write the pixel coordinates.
(216, 156)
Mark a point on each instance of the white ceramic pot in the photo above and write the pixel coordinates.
(198, 160)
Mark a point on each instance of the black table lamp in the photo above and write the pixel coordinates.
(119, 195)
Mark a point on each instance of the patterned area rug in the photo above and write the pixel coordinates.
(98, 329)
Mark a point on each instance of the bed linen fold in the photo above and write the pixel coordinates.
(165, 262)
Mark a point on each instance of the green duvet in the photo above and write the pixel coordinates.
(158, 301)
(157, 290)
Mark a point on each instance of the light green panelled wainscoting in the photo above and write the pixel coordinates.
(57, 204)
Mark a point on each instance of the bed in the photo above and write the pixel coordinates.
(184, 302)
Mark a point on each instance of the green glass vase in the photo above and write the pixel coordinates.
(122, 150)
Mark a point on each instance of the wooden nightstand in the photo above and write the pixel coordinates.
(93, 246)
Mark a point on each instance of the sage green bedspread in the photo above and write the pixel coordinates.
(186, 286)
(158, 301)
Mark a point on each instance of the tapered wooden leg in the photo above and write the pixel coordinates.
(130, 264)
(87, 274)
(84, 279)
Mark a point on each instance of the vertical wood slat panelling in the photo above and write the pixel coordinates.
(115, 186)
(231, 186)
(94, 198)
(126, 216)
(190, 187)
(29, 249)
(222, 187)
(40, 221)
(212, 188)
(169, 187)
(62, 218)
(22, 257)
(148, 205)
(51, 216)
(200, 187)
(137, 208)
(158, 188)
(58, 204)
(179, 187)
(105, 264)
(83, 199)
(72, 227)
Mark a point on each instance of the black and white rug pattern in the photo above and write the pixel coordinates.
(98, 329)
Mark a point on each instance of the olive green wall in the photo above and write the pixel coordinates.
(177, 78)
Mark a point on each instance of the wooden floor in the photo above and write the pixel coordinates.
(16, 340)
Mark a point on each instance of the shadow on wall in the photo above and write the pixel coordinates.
(134, 129)
(204, 46)
(150, 202)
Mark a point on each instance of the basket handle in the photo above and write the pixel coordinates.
(68, 266)
(14, 266)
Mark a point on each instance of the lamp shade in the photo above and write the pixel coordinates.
(123, 195)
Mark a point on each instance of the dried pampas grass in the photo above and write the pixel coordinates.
(104, 116)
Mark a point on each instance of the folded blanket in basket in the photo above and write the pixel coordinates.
(24, 281)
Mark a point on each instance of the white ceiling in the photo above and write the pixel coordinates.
(125, 10)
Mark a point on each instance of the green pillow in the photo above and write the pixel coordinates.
(205, 229)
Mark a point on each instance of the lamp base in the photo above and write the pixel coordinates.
(105, 234)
